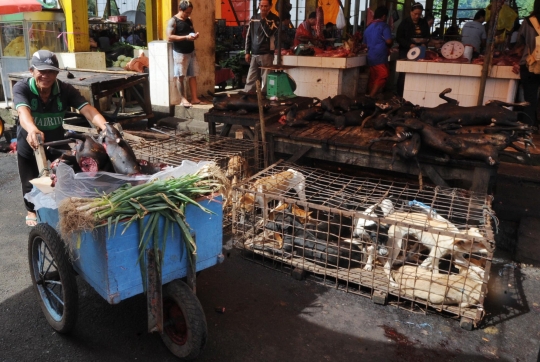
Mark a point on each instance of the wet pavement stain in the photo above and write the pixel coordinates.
(404, 346)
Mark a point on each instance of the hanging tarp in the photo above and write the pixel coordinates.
(330, 9)
(236, 12)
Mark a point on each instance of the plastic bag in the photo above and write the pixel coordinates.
(95, 184)
(507, 16)
(340, 21)
(138, 64)
(41, 200)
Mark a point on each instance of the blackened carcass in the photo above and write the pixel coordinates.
(91, 155)
(451, 145)
(120, 153)
(301, 117)
(450, 112)
(352, 118)
(242, 103)
(338, 104)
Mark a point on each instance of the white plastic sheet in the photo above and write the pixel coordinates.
(95, 184)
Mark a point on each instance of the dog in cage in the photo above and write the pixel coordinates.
(371, 233)
(271, 188)
(438, 289)
(429, 236)
(237, 170)
(301, 240)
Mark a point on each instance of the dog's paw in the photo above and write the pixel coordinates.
(368, 267)
(394, 285)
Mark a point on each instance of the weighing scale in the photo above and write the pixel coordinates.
(453, 49)
(279, 85)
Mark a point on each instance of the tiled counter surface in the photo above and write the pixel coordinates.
(323, 77)
(425, 80)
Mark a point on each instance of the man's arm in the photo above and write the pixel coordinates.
(248, 43)
(171, 27)
(387, 35)
(91, 113)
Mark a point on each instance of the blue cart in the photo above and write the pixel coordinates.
(108, 262)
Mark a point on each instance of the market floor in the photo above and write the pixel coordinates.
(269, 316)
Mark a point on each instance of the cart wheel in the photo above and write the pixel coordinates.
(184, 323)
(53, 277)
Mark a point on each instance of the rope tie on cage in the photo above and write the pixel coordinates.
(488, 211)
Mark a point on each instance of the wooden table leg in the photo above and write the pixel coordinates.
(482, 179)
(225, 130)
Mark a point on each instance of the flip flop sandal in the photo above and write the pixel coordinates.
(186, 105)
(30, 219)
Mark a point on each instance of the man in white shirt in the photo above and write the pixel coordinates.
(474, 33)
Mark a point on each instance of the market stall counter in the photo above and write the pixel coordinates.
(322, 141)
(98, 86)
(323, 77)
(464, 79)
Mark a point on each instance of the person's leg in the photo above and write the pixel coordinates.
(530, 83)
(400, 84)
(182, 90)
(28, 170)
(192, 72)
(253, 74)
(180, 69)
(378, 76)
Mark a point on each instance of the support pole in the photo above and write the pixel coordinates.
(76, 12)
(356, 16)
(280, 11)
(486, 68)
(443, 15)
(263, 126)
(454, 13)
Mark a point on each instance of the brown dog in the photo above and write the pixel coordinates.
(271, 188)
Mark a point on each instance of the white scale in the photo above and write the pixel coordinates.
(453, 49)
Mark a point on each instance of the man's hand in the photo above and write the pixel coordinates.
(248, 58)
(515, 69)
(32, 138)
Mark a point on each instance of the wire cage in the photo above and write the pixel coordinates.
(429, 248)
(238, 158)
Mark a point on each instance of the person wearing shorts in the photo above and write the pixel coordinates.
(378, 38)
(180, 31)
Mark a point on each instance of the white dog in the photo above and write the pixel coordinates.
(439, 245)
(364, 227)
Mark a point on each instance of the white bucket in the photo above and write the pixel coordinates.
(468, 52)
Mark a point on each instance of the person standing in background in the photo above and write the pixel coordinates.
(526, 44)
(409, 29)
(286, 41)
(474, 33)
(181, 33)
(378, 38)
(260, 45)
(305, 32)
(328, 31)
